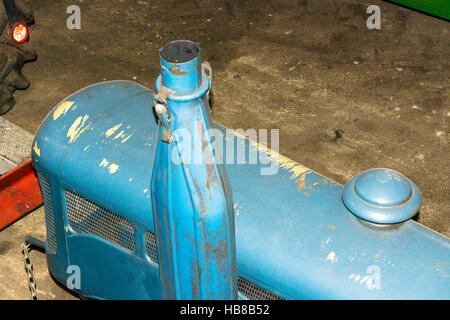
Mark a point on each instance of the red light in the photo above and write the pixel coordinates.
(20, 33)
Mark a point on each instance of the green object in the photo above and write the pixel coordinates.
(440, 8)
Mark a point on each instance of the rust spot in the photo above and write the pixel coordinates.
(177, 72)
(301, 181)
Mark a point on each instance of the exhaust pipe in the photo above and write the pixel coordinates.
(192, 204)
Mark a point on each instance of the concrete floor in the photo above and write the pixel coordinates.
(15, 145)
(345, 98)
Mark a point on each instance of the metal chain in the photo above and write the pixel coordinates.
(29, 269)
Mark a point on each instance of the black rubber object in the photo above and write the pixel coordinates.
(12, 58)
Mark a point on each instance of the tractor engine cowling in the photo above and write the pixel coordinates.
(297, 234)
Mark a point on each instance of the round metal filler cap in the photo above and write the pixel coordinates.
(382, 196)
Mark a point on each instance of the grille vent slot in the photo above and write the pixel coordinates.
(84, 216)
(49, 215)
(151, 247)
(254, 292)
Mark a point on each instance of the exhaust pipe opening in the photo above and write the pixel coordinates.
(180, 51)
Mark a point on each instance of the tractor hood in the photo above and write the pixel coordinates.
(92, 141)
(294, 236)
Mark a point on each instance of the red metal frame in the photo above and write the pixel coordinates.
(19, 194)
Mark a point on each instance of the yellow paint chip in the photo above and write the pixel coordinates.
(113, 168)
(76, 129)
(332, 257)
(111, 131)
(119, 135)
(36, 149)
(126, 139)
(104, 163)
(291, 166)
(62, 109)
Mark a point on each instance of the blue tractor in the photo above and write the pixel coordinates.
(147, 198)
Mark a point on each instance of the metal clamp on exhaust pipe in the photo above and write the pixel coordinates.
(162, 108)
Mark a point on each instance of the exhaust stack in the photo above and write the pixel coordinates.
(192, 204)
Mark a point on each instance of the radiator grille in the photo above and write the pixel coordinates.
(151, 247)
(248, 289)
(49, 215)
(84, 216)
(254, 292)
